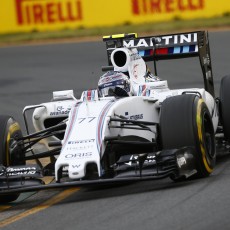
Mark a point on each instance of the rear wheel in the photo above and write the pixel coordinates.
(10, 131)
(225, 106)
(185, 121)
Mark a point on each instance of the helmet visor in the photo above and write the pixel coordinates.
(104, 89)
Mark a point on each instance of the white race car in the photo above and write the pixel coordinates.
(132, 127)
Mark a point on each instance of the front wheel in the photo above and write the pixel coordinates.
(10, 131)
(185, 121)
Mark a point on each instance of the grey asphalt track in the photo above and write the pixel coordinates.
(29, 74)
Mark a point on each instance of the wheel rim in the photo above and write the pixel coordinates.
(208, 136)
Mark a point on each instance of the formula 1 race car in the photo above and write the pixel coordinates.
(112, 134)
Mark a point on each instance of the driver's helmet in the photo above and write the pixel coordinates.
(114, 83)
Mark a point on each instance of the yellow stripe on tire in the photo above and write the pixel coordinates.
(12, 128)
(201, 141)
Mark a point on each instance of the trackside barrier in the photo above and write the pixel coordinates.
(42, 15)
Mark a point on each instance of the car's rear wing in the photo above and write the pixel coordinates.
(170, 46)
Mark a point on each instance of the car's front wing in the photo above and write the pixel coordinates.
(174, 163)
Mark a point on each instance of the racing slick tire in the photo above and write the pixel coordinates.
(185, 121)
(9, 132)
(225, 106)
